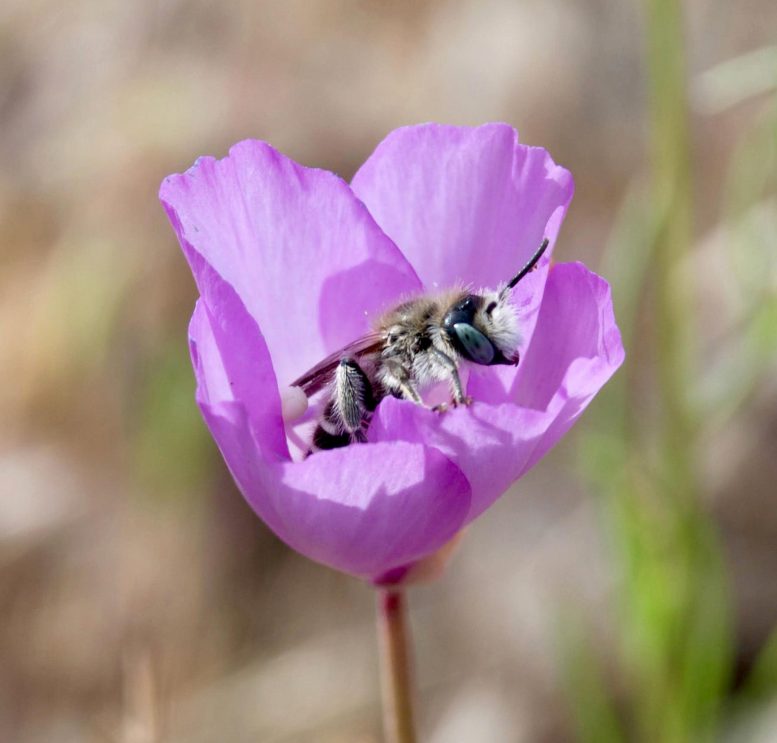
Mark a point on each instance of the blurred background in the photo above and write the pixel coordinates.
(625, 591)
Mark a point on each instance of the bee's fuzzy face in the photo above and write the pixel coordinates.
(497, 319)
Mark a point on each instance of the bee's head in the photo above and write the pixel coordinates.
(484, 328)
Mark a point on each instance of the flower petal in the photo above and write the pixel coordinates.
(231, 360)
(464, 204)
(576, 340)
(491, 444)
(575, 350)
(365, 509)
(303, 254)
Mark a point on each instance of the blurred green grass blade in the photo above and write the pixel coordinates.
(594, 714)
(673, 614)
(709, 644)
(671, 191)
(762, 682)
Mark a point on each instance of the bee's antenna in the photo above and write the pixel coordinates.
(530, 265)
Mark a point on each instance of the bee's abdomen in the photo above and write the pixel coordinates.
(323, 439)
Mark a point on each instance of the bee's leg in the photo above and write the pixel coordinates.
(347, 413)
(459, 398)
(353, 398)
(402, 384)
(408, 390)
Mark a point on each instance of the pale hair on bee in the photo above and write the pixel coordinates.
(414, 345)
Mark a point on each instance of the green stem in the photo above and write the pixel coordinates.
(393, 635)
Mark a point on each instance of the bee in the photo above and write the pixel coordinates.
(417, 343)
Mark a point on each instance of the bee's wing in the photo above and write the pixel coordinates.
(317, 378)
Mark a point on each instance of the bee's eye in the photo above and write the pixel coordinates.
(491, 307)
(463, 311)
(473, 344)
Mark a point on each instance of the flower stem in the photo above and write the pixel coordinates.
(393, 635)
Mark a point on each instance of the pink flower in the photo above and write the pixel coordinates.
(292, 263)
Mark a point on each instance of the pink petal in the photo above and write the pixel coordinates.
(231, 359)
(576, 348)
(491, 444)
(576, 335)
(365, 509)
(464, 204)
(303, 254)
